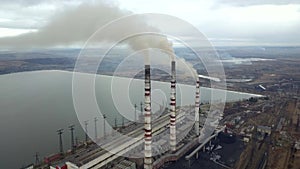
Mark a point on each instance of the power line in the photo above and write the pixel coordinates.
(135, 118)
(37, 159)
(96, 136)
(60, 132)
(104, 132)
(86, 130)
(72, 137)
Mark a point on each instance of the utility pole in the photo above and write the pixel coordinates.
(72, 137)
(96, 136)
(104, 117)
(135, 118)
(116, 125)
(86, 130)
(142, 108)
(76, 141)
(60, 132)
(298, 123)
(37, 159)
(123, 121)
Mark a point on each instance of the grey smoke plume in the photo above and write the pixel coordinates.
(78, 24)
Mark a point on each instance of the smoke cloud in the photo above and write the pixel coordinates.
(76, 25)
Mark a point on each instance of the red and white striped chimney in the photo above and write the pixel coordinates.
(173, 108)
(197, 105)
(147, 125)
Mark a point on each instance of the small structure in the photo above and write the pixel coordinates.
(264, 129)
(246, 139)
(297, 145)
(280, 124)
(262, 87)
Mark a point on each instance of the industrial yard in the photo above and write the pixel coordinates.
(270, 126)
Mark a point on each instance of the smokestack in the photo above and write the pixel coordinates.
(147, 114)
(173, 108)
(197, 106)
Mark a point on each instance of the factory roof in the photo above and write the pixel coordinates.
(264, 127)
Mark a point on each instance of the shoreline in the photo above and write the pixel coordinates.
(66, 71)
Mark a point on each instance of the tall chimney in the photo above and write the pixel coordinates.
(197, 106)
(147, 114)
(173, 108)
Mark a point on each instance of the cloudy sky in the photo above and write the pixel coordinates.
(224, 22)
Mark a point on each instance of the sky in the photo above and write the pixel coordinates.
(223, 22)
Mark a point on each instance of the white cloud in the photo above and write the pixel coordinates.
(258, 2)
(267, 21)
(6, 32)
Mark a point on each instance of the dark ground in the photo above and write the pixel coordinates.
(229, 153)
